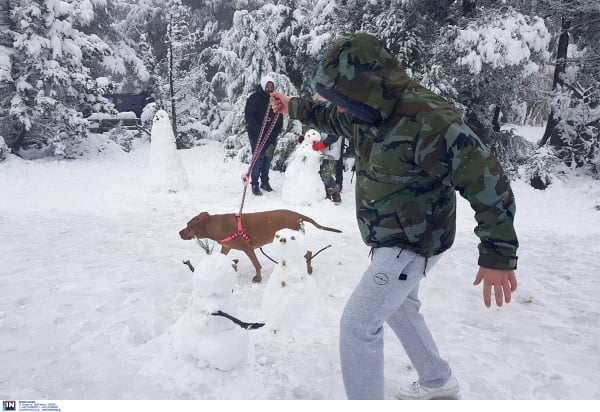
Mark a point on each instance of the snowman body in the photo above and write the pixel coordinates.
(291, 300)
(212, 341)
(165, 171)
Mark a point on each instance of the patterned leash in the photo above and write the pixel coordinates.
(261, 142)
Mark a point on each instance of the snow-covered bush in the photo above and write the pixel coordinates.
(123, 137)
(510, 149)
(4, 150)
(540, 168)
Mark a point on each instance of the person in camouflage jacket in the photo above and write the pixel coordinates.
(413, 152)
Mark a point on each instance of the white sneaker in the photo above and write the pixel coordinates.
(418, 391)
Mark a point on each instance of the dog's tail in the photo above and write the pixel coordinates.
(309, 220)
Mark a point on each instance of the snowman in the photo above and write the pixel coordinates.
(165, 171)
(303, 184)
(212, 341)
(291, 299)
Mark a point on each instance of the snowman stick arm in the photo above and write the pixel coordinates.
(313, 256)
(309, 257)
(189, 264)
(140, 128)
(243, 325)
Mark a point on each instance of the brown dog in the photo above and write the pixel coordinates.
(246, 233)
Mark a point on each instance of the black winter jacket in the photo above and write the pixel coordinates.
(256, 106)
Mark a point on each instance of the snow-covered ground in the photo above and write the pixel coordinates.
(93, 286)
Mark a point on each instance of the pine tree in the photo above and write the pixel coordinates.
(313, 31)
(573, 126)
(248, 51)
(50, 70)
(501, 50)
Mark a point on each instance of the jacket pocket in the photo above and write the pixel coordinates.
(413, 213)
(379, 225)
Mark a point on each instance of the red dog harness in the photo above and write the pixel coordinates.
(240, 231)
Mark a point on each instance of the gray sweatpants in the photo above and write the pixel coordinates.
(388, 292)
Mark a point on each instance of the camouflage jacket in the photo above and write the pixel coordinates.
(412, 159)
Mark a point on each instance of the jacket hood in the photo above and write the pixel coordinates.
(361, 75)
(266, 79)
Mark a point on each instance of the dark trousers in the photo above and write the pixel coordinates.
(261, 169)
(332, 172)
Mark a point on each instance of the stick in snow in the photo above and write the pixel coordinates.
(243, 325)
(189, 264)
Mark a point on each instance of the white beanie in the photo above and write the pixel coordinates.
(266, 79)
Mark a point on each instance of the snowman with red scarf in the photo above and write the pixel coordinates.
(303, 184)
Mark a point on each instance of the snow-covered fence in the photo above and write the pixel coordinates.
(102, 123)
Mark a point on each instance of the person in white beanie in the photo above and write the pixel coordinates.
(256, 109)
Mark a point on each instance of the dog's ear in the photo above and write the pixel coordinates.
(199, 221)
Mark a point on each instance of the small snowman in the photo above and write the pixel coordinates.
(165, 171)
(303, 184)
(291, 299)
(212, 341)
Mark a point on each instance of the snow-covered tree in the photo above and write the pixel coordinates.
(500, 50)
(313, 31)
(50, 72)
(125, 68)
(573, 126)
(400, 25)
(54, 60)
(248, 51)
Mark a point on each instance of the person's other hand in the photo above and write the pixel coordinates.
(279, 102)
(318, 146)
(503, 281)
(245, 179)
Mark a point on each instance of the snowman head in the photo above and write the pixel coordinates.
(214, 277)
(305, 148)
(311, 136)
(161, 116)
(291, 248)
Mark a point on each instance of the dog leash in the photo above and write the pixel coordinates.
(262, 140)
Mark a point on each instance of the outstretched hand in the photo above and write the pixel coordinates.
(279, 102)
(503, 281)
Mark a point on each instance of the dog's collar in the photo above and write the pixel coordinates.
(240, 232)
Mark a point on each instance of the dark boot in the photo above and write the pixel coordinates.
(255, 190)
(266, 187)
(335, 195)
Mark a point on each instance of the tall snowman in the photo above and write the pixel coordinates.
(291, 299)
(303, 184)
(212, 341)
(165, 171)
